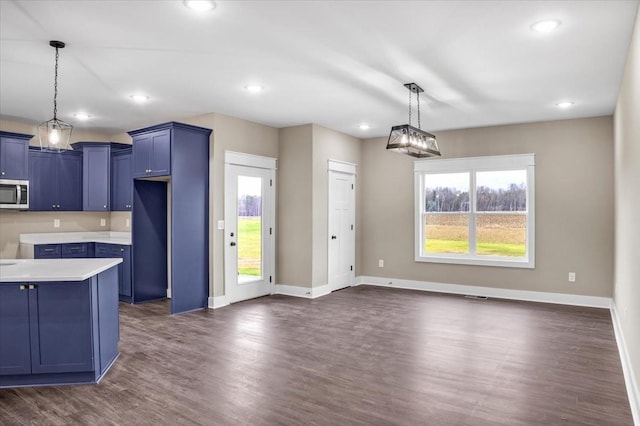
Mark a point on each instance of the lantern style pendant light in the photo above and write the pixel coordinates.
(410, 140)
(54, 135)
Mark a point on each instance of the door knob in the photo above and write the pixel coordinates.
(232, 243)
(333, 237)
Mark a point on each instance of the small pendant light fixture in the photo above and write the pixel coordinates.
(410, 140)
(54, 134)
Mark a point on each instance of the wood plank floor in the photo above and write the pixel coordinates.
(361, 356)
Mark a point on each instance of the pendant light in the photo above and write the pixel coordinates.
(54, 135)
(410, 140)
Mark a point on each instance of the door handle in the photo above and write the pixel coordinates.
(333, 237)
(232, 243)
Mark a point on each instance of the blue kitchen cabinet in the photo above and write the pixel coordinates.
(48, 327)
(58, 332)
(104, 250)
(63, 251)
(121, 180)
(15, 343)
(184, 162)
(97, 173)
(151, 153)
(55, 180)
(14, 155)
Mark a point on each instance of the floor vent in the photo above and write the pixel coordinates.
(473, 296)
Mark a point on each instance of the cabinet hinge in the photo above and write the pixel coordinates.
(352, 267)
(270, 231)
(352, 227)
(269, 278)
(270, 182)
(351, 186)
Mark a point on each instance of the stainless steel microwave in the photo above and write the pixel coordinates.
(14, 194)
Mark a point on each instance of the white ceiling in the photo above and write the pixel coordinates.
(334, 63)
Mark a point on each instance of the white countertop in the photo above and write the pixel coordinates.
(109, 237)
(42, 270)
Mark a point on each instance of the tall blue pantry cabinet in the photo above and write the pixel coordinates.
(170, 214)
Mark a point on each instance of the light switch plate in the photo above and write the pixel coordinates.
(56, 223)
(221, 224)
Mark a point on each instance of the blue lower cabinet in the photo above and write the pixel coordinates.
(15, 352)
(124, 269)
(63, 251)
(58, 332)
(60, 346)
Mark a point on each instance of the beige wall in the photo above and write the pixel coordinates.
(232, 134)
(294, 218)
(12, 223)
(329, 145)
(626, 295)
(574, 207)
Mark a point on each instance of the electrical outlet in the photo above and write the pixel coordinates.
(103, 222)
(381, 263)
(127, 223)
(56, 223)
(572, 277)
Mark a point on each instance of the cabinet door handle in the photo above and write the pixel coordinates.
(31, 286)
(49, 249)
(105, 206)
(23, 287)
(2, 173)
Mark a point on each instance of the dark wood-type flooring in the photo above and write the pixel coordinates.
(361, 356)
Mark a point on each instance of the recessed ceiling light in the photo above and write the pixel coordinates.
(364, 126)
(139, 98)
(200, 5)
(545, 26)
(564, 104)
(254, 88)
(82, 116)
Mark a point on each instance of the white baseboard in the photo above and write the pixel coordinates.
(627, 367)
(218, 302)
(499, 293)
(306, 292)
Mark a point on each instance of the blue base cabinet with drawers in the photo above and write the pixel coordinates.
(124, 269)
(58, 332)
(101, 250)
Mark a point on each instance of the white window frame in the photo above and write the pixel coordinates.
(472, 165)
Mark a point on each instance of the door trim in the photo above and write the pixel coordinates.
(233, 158)
(348, 169)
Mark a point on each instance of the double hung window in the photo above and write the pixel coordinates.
(476, 211)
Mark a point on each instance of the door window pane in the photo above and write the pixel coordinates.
(249, 228)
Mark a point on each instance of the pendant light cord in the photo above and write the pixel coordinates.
(410, 107)
(55, 89)
(418, 95)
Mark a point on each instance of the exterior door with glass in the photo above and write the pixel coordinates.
(249, 228)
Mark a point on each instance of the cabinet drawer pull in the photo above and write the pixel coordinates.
(49, 249)
(23, 287)
(31, 286)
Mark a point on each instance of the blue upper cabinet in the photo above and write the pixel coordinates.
(14, 157)
(55, 180)
(96, 173)
(121, 181)
(151, 152)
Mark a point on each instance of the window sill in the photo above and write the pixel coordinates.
(501, 262)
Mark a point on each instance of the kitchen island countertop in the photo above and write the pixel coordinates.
(43, 270)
